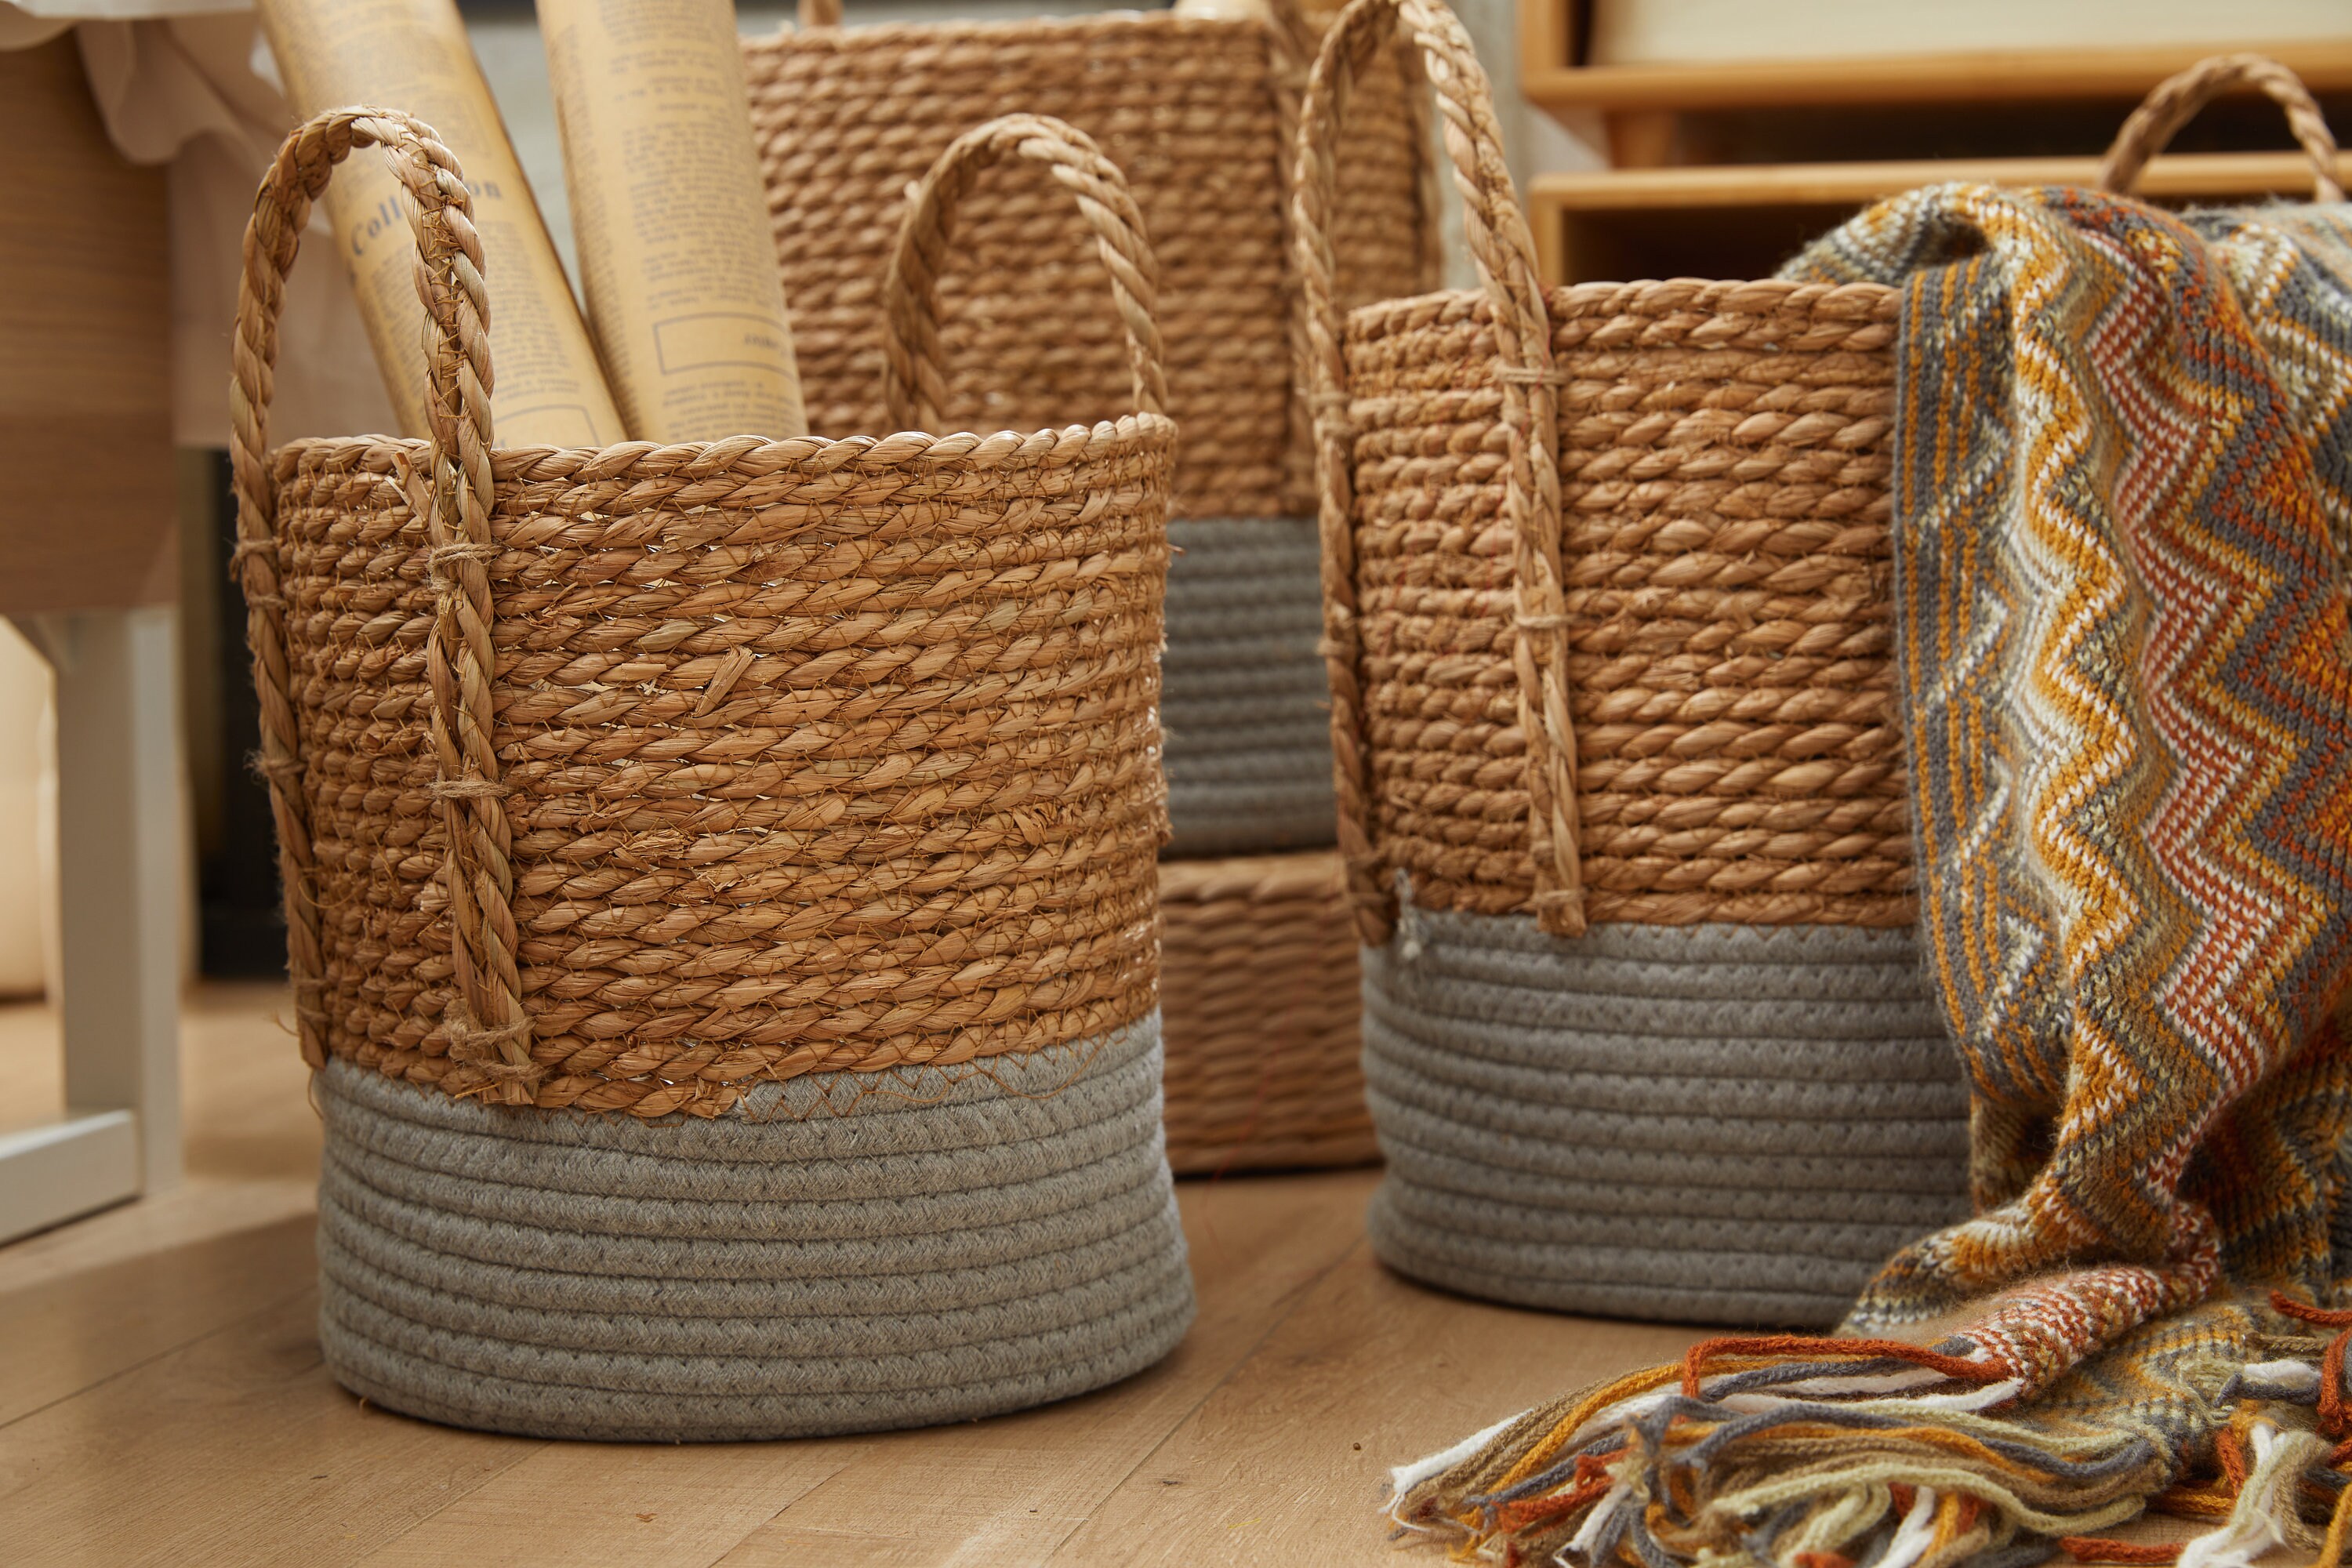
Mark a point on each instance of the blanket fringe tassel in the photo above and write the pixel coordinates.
(1801, 1452)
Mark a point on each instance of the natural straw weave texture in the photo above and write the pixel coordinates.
(1197, 112)
(623, 779)
(1607, 618)
(1258, 994)
(2176, 100)
(1723, 482)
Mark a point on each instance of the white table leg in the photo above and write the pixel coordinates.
(119, 850)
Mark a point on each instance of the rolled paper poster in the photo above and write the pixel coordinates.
(676, 259)
(413, 55)
(1226, 10)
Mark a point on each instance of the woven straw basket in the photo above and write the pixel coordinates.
(1620, 798)
(1199, 113)
(720, 877)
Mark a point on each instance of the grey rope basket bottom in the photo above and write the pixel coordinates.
(1244, 703)
(844, 1253)
(1736, 1124)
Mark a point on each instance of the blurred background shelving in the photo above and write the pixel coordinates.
(1728, 134)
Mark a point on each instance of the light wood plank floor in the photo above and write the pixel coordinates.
(162, 1399)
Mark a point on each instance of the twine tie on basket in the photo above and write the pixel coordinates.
(308, 1012)
(441, 557)
(1331, 416)
(280, 773)
(238, 555)
(487, 1049)
(468, 789)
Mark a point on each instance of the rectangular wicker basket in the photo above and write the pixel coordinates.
(1259, 996)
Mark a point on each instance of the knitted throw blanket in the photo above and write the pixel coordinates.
(2123, 497)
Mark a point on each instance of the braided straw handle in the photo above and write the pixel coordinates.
(1504, 252)
(491, 1028)
(2177, 99)
(913, 387)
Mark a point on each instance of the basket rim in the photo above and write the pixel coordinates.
(1859, 303)
(755, 456)
(789, 37)
(1276, 876)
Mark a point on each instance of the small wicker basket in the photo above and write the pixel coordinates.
(1258, 978)
(1606, 585)
(1200, 114)
(721, 878)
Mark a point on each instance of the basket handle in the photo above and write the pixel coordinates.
(913, 387)
(1504, 252)
(2178, 98)
(492, 1030)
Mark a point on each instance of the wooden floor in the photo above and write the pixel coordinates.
(162, 1399)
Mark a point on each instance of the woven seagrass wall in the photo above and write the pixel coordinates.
(1724, 471)
(1188, 109)
(751, 837)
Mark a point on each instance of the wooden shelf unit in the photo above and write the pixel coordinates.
(1723, 169)
(1553, 80)
(1743, 220)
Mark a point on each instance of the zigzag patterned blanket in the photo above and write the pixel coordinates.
(2124, 499)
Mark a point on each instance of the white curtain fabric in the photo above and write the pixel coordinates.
(190, 85)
